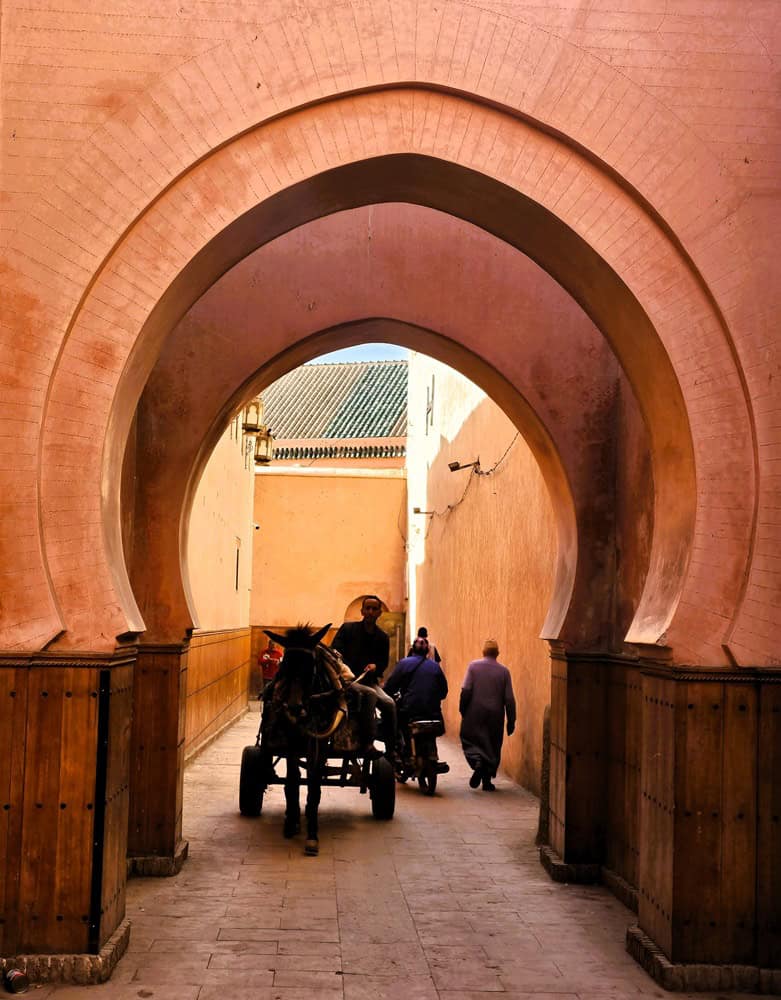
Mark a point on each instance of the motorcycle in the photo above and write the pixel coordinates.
(420, 759)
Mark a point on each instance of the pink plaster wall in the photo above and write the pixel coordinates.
(489, 570)
(324, 541)
(121, 160)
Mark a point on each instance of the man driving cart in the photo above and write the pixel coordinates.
(365, 648)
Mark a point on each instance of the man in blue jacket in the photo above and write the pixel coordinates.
(421, 684)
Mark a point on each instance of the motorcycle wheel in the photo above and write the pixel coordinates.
(251, 786)
(427, 776)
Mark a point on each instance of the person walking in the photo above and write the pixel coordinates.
(433, 653)
(486, 697)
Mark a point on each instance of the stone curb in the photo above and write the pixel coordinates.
(621, 889)
(697, 977)
(157, 865)
(82, 970)
(563, 871)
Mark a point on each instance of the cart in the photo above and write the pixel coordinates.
(346, 765)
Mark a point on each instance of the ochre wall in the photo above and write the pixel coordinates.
(325, 540)
(221, 526)
(489, 562)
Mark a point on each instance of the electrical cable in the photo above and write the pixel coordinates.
(474, 472)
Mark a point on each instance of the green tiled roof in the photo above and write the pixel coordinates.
(365, 399)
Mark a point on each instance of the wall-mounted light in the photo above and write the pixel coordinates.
(417, 510)
(457, 466)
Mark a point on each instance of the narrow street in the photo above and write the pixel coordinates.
(446, 902)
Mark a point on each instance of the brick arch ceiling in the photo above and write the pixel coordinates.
(525, 69)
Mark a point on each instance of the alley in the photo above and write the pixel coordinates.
(446, 902)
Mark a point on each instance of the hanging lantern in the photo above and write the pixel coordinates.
(253, 417)
(264, 446)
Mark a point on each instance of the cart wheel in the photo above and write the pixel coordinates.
(251, 784)
(427, 777)
(383, 789)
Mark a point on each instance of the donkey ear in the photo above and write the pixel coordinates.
(281, 639)
(319, 635)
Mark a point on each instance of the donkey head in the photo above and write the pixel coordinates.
(301, 637)
(297, 668)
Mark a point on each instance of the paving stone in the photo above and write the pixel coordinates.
(446, 902)
(168, 946)
(389, 988)
(314, 981)
(276, 962)
(306, 947)
(379, 960)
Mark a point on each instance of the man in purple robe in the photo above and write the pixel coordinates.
(486, 697)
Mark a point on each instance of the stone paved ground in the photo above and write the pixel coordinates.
(446, 902)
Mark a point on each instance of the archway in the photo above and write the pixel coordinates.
(675, 518)
(626, 315)
(692, 604)
(574, 444)
(531, 322)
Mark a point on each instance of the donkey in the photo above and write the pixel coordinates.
(305, 707)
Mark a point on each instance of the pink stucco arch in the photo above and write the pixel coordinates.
(653, 274)
(413, 276)
(79, 241)
(378, 329)
(551, 174)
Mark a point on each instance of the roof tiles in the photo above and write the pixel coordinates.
(364, 399)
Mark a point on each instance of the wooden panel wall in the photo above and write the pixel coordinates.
(769, 828)
(13, 708)
(657, 811)
(58, 813)
(51, 888)
(586, 761)
(624, 717)
(217, 684)
(715, 847)
(157, 751)
(558, 754)
(738, 811)
(114, 849)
